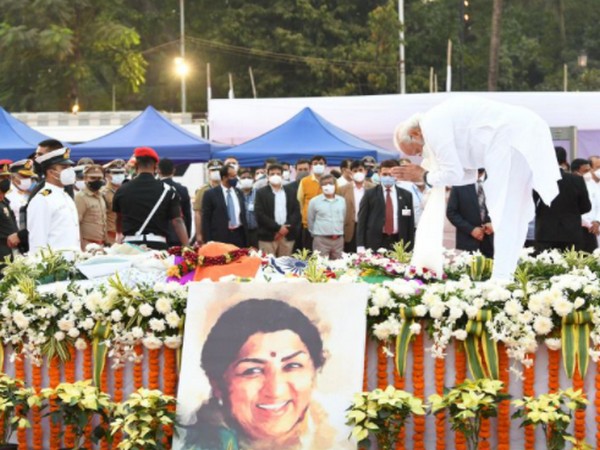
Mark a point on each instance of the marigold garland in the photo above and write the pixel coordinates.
(382, 373)
(580, 413)
(504, 419)
(21, 432)
(86, 356)
(36, 416)
(154, 369)
(138, 367)
(529, 391)
(553, 370)
(55, 428)
(484, 433)
(118, 397)
(170, 375)
(440, 418)
(597, 401)
(460, 363)
(418, 390)
(70, 376)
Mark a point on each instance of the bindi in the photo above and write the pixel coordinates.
(273, 354)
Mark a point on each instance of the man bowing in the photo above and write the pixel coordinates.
(514, 146)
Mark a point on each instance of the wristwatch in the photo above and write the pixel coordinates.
(425, 179)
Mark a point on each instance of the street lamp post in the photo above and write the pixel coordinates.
(183, 71)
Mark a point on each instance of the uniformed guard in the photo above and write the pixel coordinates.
(84, 162)
(214, 179)
(51, 215)
(8, 224)
(114, 173)
(91, 207)
(22, 184)
(145, 205)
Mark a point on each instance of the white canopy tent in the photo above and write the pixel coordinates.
(373, 118)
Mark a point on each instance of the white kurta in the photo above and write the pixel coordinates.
(52, 220)
(515, 147)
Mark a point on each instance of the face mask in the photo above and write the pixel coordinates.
(95, 185)
(25, 184)
(246, 183)
(597, 173)
(118, 179)
(79, 184)
(233, 182)
(214, 175)
(5, 185)
(359, 177)
(318, 169)
(328, 189)
(67, 177)
(375, 178)
(388, 181)
(286, 175)
(275, 180)
(301, 174)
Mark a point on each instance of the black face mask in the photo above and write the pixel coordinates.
(233, 182)
(95, 185)
(5, 185)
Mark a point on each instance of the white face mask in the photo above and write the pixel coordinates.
(67, 177)
(214, 175)
(359, 177)
(328, 189)
(246, 183)
(286, 175)
(318, 169)
(275, 180)
(118, 179)
(24, 184)
(79, 184)
(597, 173)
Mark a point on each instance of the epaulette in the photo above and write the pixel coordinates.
(46, 192)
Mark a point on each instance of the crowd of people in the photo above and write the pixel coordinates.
(49, 201)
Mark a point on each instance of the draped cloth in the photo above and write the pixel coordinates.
(428, 251)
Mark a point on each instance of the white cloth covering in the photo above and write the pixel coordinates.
(515, 147)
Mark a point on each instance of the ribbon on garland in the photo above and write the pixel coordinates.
(99, 351)
(407, 315)
(478, 342)
(180, 348)
(481, 267)
(575, 337)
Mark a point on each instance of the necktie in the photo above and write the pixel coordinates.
(233, 220)
(481, 201)
(389, 212)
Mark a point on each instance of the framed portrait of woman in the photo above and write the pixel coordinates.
(270, 365)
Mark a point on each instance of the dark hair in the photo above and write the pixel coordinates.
(327, 177)
(224, 171)
(577, 163)
(51, 144)
(357, 164)
(302, 161)
(561, 155)
(249, 317)
(346, 164)
(389, 163)
(284, 163)
(244, 171)
(144, 161)
(276, 167)
(336, 173)
(318, 158)
(270, 161)
(166, 167)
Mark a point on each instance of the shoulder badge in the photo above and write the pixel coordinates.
(46, 192)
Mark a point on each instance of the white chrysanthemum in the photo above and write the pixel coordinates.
(374, 311)
(59, 335)
(116, 315)
(387, 328)
(381, 298)
(88, 324)
(73, 333)
(553, 343)
(146, 309)
(157, 325)
(152, 342)
(80, 344)
(173, 319)
(163, 305)
(513, 307)
(137, 332)
(437, 310)
(131, 311)
(65, 324)
(6, 311)
(578, 303)
(173, 342)
(20, 320)
(92, 300)
(461, 335)
(415, 328)
(562, 306)
(420, 310)
(542, 325)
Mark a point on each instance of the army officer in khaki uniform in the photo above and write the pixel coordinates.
(91, 207)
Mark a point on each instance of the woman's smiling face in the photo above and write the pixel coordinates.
(269, 384)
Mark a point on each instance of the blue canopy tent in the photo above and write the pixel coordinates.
(17, 140)
(304, 135)
(149, 129)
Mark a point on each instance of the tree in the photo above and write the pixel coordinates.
(495, 45)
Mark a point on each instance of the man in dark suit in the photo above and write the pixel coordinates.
(386, 214)
(468, 212)
(559, 225)
(224, 212)
(166, 170)
(277, 213)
